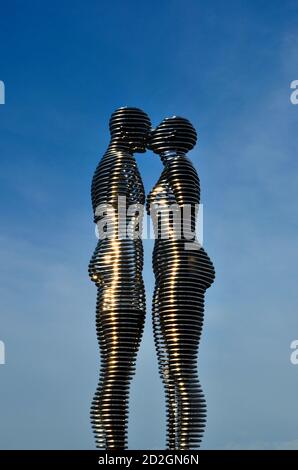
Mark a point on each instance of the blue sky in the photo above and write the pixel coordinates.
(225, 66)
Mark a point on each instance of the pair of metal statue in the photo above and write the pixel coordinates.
(182, 273)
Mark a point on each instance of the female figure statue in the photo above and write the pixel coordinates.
(183, 272)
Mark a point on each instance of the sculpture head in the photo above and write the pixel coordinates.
(129, 128)
(172, 134)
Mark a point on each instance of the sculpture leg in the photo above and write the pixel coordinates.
(119, 333)
(181, 325)
(192, 409)
(164, 371)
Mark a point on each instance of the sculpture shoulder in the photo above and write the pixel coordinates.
(183, 179)
(182, 168)
(116, 175)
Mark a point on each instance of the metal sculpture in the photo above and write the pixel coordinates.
(116, 268)
(183, 272)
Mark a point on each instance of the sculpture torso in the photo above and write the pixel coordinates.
(116, 175)
(116, 180)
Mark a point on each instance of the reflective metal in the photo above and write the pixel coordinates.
(182, 277)
(116, 268)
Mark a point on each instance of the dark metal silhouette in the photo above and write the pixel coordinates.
(183, 272)
(116, 268)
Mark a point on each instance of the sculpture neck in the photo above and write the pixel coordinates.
(170, 155)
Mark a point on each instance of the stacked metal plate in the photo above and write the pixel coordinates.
(116, 268)
(183, 272)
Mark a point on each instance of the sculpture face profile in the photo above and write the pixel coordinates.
(116, 268)
(183, 272)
